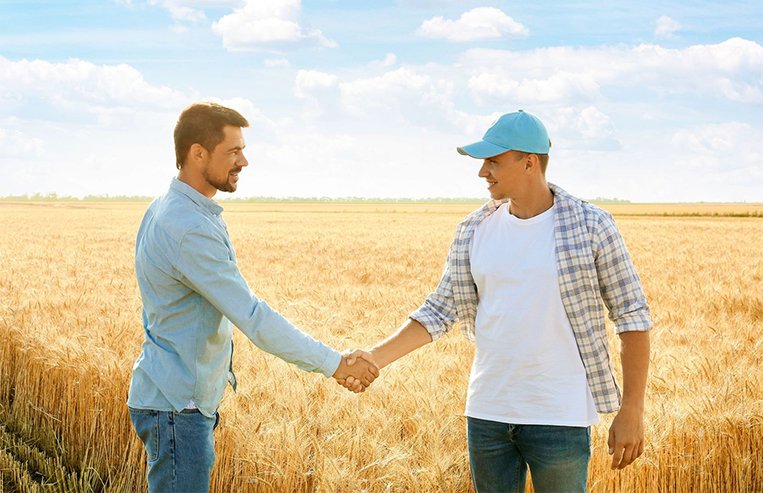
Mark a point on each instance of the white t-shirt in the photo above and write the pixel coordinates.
(527, 368)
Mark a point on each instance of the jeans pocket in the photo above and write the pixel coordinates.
(146, 424)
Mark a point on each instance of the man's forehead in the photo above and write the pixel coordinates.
(232, 130)
(233, 134)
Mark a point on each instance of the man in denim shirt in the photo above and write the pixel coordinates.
(525, 278)
(192, 290)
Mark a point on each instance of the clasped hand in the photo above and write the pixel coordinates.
(357, 370)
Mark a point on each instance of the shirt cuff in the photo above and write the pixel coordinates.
(331, 362)
(637, 321)
(430, 322)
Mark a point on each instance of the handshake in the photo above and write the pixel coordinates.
(357, 370)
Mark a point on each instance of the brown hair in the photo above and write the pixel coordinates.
(542, 158)
(203, 123)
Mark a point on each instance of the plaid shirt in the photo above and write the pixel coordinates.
(592, 263)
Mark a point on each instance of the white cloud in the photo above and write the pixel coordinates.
(81, 84)
(416, 97)
(559, 86)
(665, 27)
(731, 70)
(722, 160)
(277, 63)
(248, 109)
(400, 164)
(582, 128)
(440, 3)
(389, 60)
(593, 124)
(15, 143)
(478, 23)
(187, 10)
(81, 92)
(179, 11)
(309, 80)
(78, 128)
(722, 139)
(609, 110)
(396, 88)
(266, 24)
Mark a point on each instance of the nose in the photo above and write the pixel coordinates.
(484, 170)
(243, 162)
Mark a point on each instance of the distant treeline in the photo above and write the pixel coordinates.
(604, 200)
(54, 197)
(146, 198)
(618, 207)
(362, 200)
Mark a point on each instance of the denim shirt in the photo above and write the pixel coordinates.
(192, 289)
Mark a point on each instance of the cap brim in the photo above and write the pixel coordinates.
(481, 150)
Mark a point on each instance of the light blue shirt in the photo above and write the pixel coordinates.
(192, 289)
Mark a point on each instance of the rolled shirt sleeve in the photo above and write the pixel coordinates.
(619, 283)
(438, 312)
(207, 266)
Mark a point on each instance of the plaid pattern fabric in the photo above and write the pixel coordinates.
(593, 265)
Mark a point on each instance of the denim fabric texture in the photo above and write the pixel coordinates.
(500, 453)
(180, 449)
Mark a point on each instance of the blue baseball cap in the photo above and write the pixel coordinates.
(518, 131)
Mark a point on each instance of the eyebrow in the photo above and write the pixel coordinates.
(236, 148)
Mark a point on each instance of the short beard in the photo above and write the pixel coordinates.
(223, 186)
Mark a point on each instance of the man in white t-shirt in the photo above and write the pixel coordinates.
(524, 279)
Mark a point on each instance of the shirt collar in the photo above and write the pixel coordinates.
(205, 203)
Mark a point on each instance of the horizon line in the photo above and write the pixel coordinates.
(54, 197)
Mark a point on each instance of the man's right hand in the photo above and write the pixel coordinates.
(357, 370)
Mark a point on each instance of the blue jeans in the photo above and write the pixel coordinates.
(180, 449)
(500, 453)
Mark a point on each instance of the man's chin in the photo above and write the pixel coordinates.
(228, 187)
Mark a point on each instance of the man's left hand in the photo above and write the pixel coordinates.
(356, 370)
(626, 437)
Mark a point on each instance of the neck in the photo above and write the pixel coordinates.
(536, 200)
(197, 182)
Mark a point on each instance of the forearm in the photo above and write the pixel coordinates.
(273, 333)
(634, 354)
(409, 337)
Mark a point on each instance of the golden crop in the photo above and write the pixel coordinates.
(349, 275)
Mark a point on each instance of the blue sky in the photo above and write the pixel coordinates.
(649, 101)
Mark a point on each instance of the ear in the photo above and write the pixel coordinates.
(197, 152)
(532, 163)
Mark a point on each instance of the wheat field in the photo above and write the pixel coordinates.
(349, 274)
